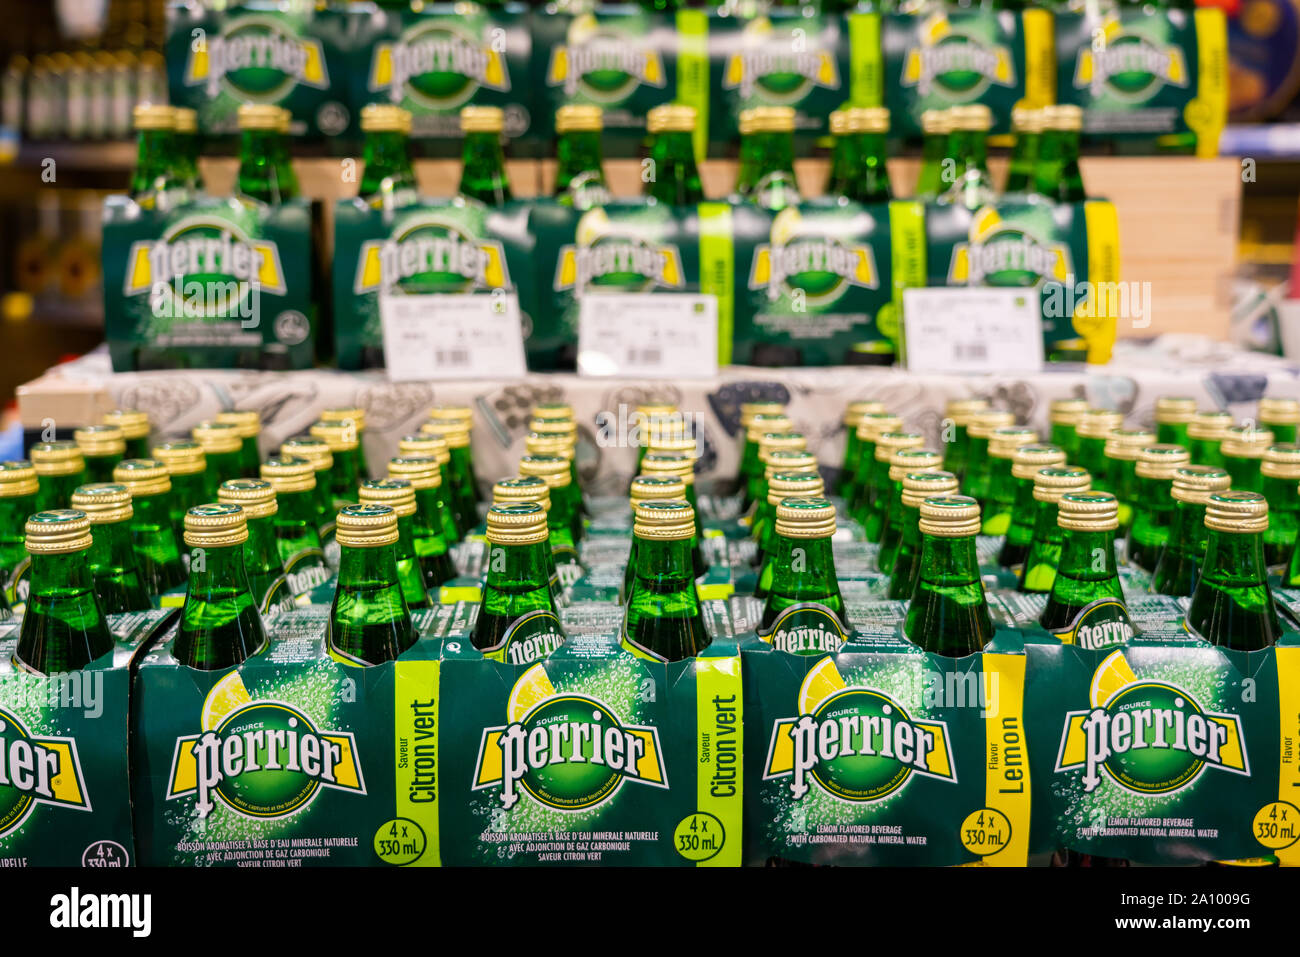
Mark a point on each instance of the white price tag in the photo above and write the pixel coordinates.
(659, 335)
(441, 336)
(973, 330)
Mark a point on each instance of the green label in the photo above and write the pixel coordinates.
(806, 628)
(1099, 624)
(256, 59)
(36, 770)
(533, 636)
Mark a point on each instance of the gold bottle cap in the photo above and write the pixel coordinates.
(144, 477)
(887, 443)
(516, 523)
(433, 446)
(1028, 459)
(1277, 411)
(345, 415)
(663, 520)
(254, 496)
(95, 440)
(522, 488)
(308, 447)
(550, 444)
(671, 118)
(1066, 411)
(103, 503)
(420, 470)
(854, 411)
(1239, 512)
(918, 486)
(57, 458)
(749, 410)
(385, 118)
(133, 423)
(982, 424)
(664, 463)
(1027, 119)
(247, 422)
(936, 122)
(1003, 442)
(1063, 116)
(656, 410)
(339, 436)
(552, 469)
(685, 444)
(258, 116)
(1088, 511)
(397, 494)
(1159, 461)
(761, 425)
(874, 424)
(482, 119)
(577, 118)
(913, 460)
(1053, 481)
(1280, 461)
(767, 119)
(153, 116)
(215, 526)
(452, 431)
(187, 120)
(1175, 409)
(287, 474)
(864, 119)
(950, 516)
(972, 118)
(962, 410)
(838, 123)
(1245, 442)
(805, 518)
(1194, 483)
(1125, 444)
(770, 442)
(1209, 426)
(788, 460)
(217, 438)
(365, 526)
(565, 427)
(181, 458)
(1099, 423)
(58, 532)
(18, 478)
(552, 410)
(648, 488)
(460, 413)
(783, 485)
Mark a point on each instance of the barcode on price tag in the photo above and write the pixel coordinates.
(659, 335)
(452, 337)
(973, 330)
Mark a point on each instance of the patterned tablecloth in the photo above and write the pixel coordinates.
(1216, 374)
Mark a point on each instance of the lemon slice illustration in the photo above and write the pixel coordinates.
(819, 684)
(227, 695)
(1111, 675)
(533, 686)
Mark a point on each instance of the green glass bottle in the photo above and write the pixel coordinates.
(580, 170)
(1044, 553)
(1027, 125)
(222, 450)
(387, 176)
(285, 175)
(675, 178)
(154, 173)
(318, 453)
(427, 527)
(186, 172)
(751, 467)
(771, 148)
(262, 563)
(135, 430)
(18, 488)
(781, 486)
(220, 624)
(786, 440)
(423, 445)
(1243, 452)
(1173, 413)
(957, 417)
(262, 175)
(370, 622)
(1002, 487)
(1279, 472)
(248, 425)
(936, 125)
(113, 568)
(1232, 605)
(858, 171)
(1056, 174)
(518, 622)
(844, 484)
(804, 612)
(297, 531)
(1086, 606)
(351, 417)
(1281, 417)
(1121, 450)
(563, 518)
(905, 566)
(60, 469)
(872, 518)
(460, 469)
(1063, 417)
(530, 489)
(63, 628)
(102, 448)
(774, 461)
(156, 550)
(346, 473)
(561, 440)
(967, 158)
(661, 618)
(1180, 564)
(651, 421)
(682, 466)
(1025, 463)
(979, 465)
(398, 495)
(1094, 430)
(901, 464)
(483, 163)
(187, 467)
(1205, 433)
(948, 613)
(1153, 514)
(648, 488)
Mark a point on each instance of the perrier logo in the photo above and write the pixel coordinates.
(603, 63)
(257, 59)
(622, 257)
(1146, 735)
(1001, 253)
(262, 759)
(955, 64)
(778, 66)
(566, 750)
(1128, 66)
(802, 261)
(439, 64)
(429, 254)
(36, 770)
(854, 743)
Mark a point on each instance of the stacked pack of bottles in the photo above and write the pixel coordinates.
(1009, 650)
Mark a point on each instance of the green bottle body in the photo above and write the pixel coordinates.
(1233, 605)
(1086, 606)
(518, 621)
(370, 622)
(662, 619)
(804, 613)
(1044, 554)
(1153, 521)
(1179, 567)
(114, 570)
(429, 530)
(63, 628)
(153, 538)
(220, 624)
(948, 613)
(483, 171)
(676, 179)
(297, 540)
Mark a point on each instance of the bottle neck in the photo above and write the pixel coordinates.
(58, 575)
(387, 158)
(260, 553)
(153, 162)
(676, 176)
(1232, 605)
(217, 568)
(518, 568)
(1046, 528)
(366, 568)
(580, 169)
(294, 508)
(150, 511)
(865, 177)
(259, 174)
(804, 569)
(483, 174)
(111, 546)
(665, 563)
(948, 562)
(1088, 556)
(14, 512)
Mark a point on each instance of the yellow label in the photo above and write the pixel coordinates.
(1006, 774)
